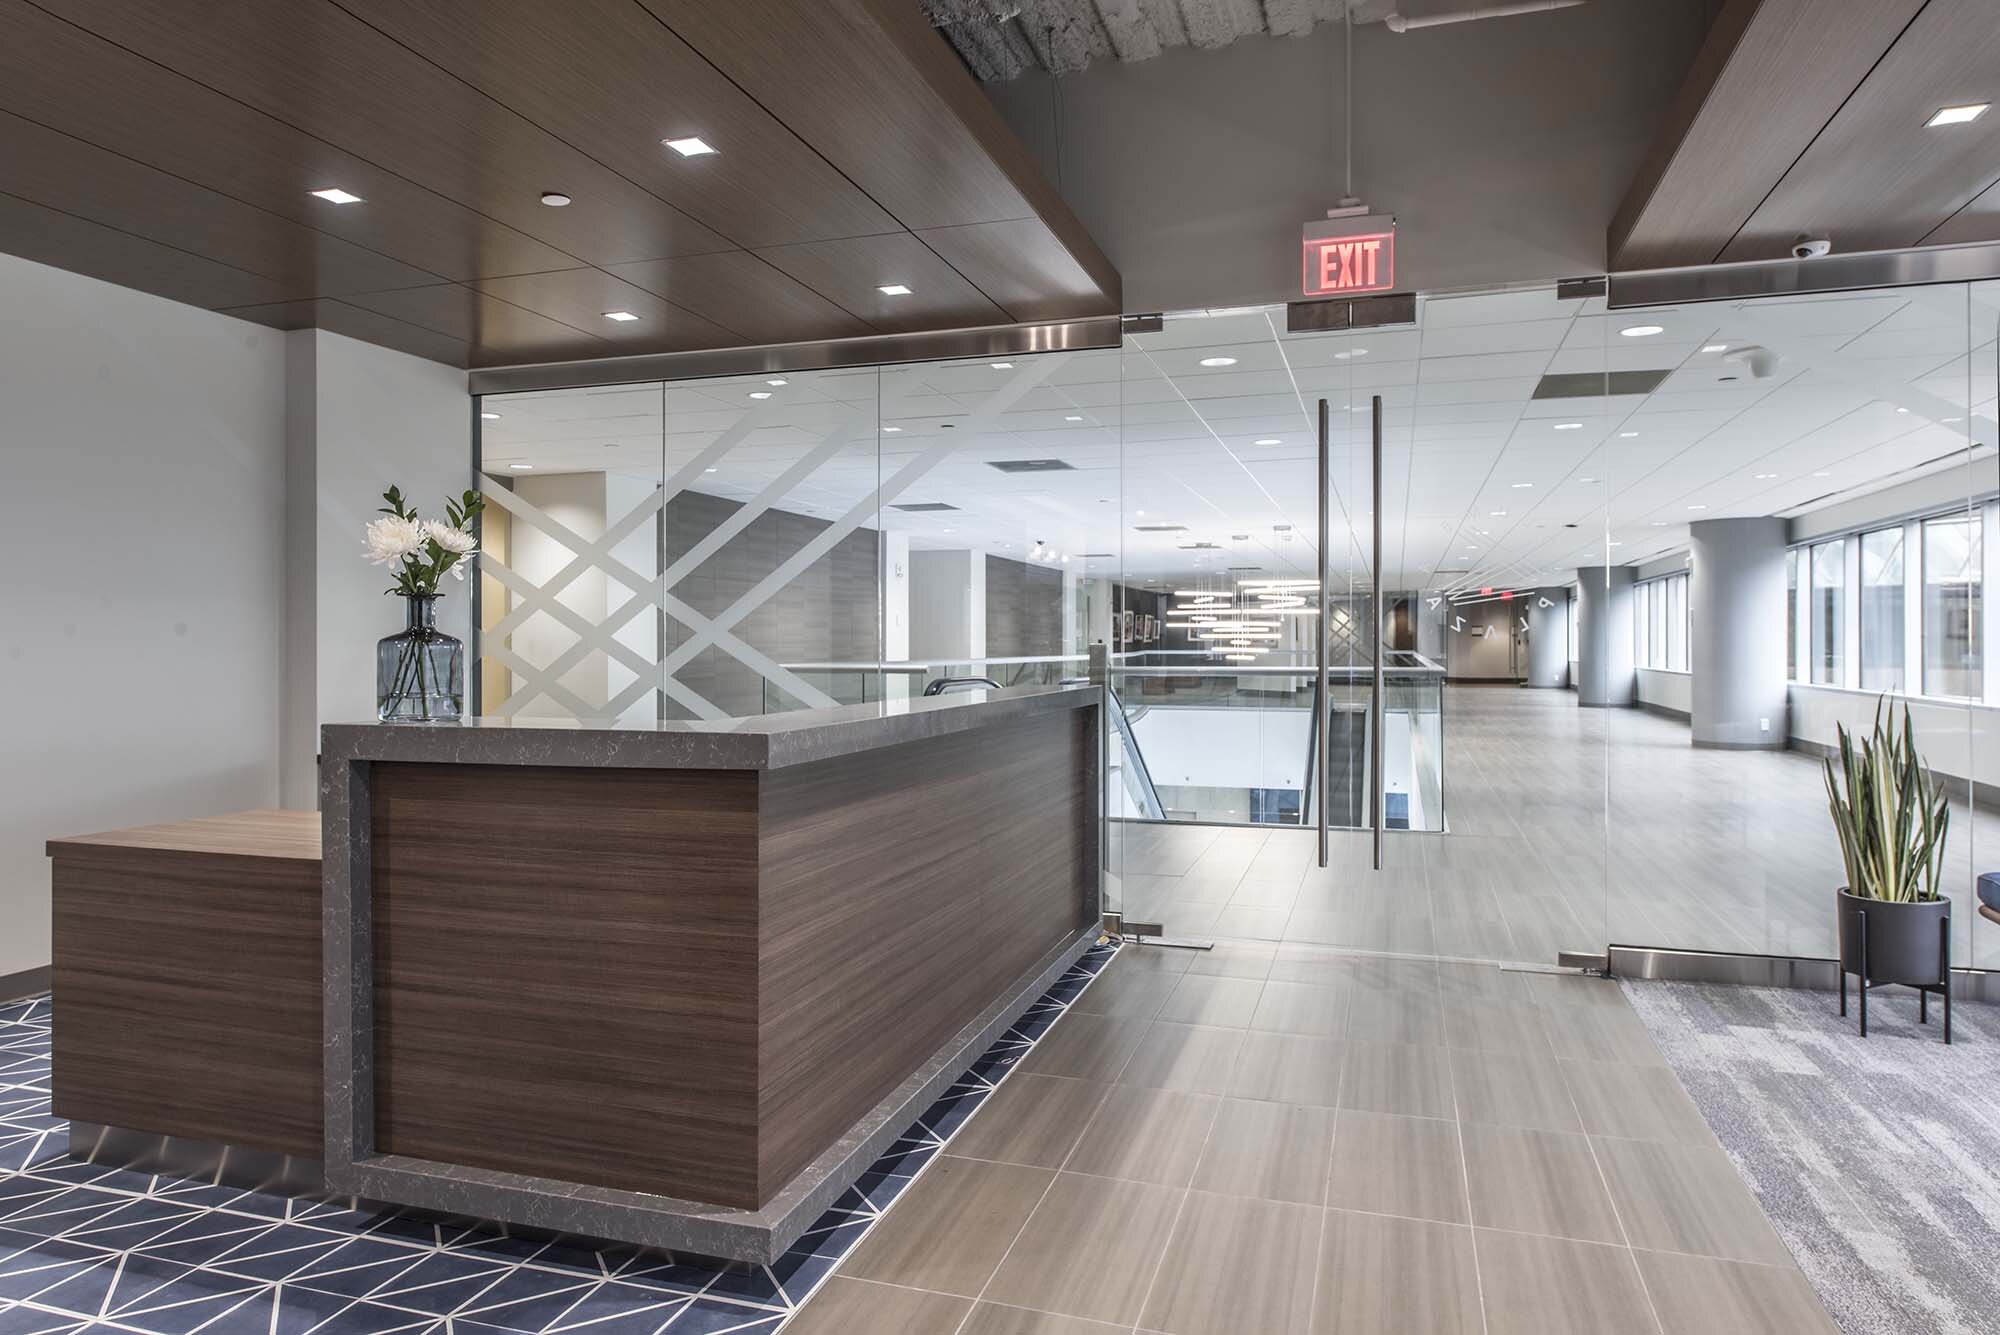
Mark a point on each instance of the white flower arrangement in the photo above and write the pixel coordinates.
(422, 550)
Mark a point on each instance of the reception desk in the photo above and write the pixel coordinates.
(679, 984)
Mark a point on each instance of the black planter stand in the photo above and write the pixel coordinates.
(1904, 945)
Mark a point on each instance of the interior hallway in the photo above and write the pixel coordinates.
(1276, 1137)
(1707, 850)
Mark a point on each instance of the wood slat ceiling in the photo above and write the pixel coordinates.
(1807, 117)
(172, 148)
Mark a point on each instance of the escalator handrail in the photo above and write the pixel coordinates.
(1138, 779)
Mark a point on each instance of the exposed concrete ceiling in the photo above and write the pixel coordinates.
(1000, 39)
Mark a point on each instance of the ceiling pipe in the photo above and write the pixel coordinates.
(1433, 13)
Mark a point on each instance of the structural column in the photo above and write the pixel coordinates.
(1604, 669)
(1736, 603)
(1548, 638)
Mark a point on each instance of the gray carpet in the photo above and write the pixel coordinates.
(1878, 1160)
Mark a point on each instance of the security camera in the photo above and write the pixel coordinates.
(1811, 247)
(1761, 360)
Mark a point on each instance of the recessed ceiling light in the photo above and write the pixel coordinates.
(1497, 514)
(1697, 507)
(1001, 366)
(1586, 479)
(1902, 410)
(491, 417)
(1351, 352)
(708, 470)
(1569, 426)
(1762, 477)
(760, 393)
(1627, 435)
(622, 317)
(894, 289)
(777, 380)
(333, 194)
(1218, 361)
(1951, 419)
(1267, 440)
(892, 429)
(1959, 115)
(1614, 543)
(689, 146)
(1822, 475)
(1072, 418)
(555, 199)
(520, 468)
(1715, 347)
(1522, 486)
(1642, 330)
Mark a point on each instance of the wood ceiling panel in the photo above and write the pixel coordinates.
(874, 88)
(496, 330)
(60, 76)
(368, 326)
(320, 69)
(1768, 78)
(1022, 266)
(78, 178)
(1876, 178)
(48, 236)
(609, 78)
(745, 293)
(172, 148)
(580, 297)
(848, 272)
(1979, 220)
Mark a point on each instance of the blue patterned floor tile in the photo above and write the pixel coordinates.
(31, 1321)
(375, 1319)
(163, 1256)
(441, 1283)
(25, 1251)
(706, 1316)
(527, 1299)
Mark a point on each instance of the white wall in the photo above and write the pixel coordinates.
(947, 604)
(1503, 147)
(376, 417)
(142, 490)
(1667, 690)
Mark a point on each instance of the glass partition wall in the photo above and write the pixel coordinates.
(1634, 568)
(1825, 461)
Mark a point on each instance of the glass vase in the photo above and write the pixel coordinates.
(418, 672)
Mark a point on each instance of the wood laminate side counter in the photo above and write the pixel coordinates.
(679, 984)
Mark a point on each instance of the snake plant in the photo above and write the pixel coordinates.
(1890, 812)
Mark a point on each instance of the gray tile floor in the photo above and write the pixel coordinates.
(1278, 1137)
(1705, 850)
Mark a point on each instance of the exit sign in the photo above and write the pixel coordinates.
(1345, 257)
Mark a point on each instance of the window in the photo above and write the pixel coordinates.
(1792, 606)
(1663, 623)
(1951, 606)
(1882, 610)
(1829, 611)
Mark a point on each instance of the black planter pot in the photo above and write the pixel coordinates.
(1906, 944)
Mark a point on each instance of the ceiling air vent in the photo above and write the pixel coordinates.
(1591, 384)
(1095, 556)
(1029, 465)
(1199, 547)
(1159, 528)
(923, 507)
(1239, 570)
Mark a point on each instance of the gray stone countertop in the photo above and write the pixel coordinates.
(771, 741)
